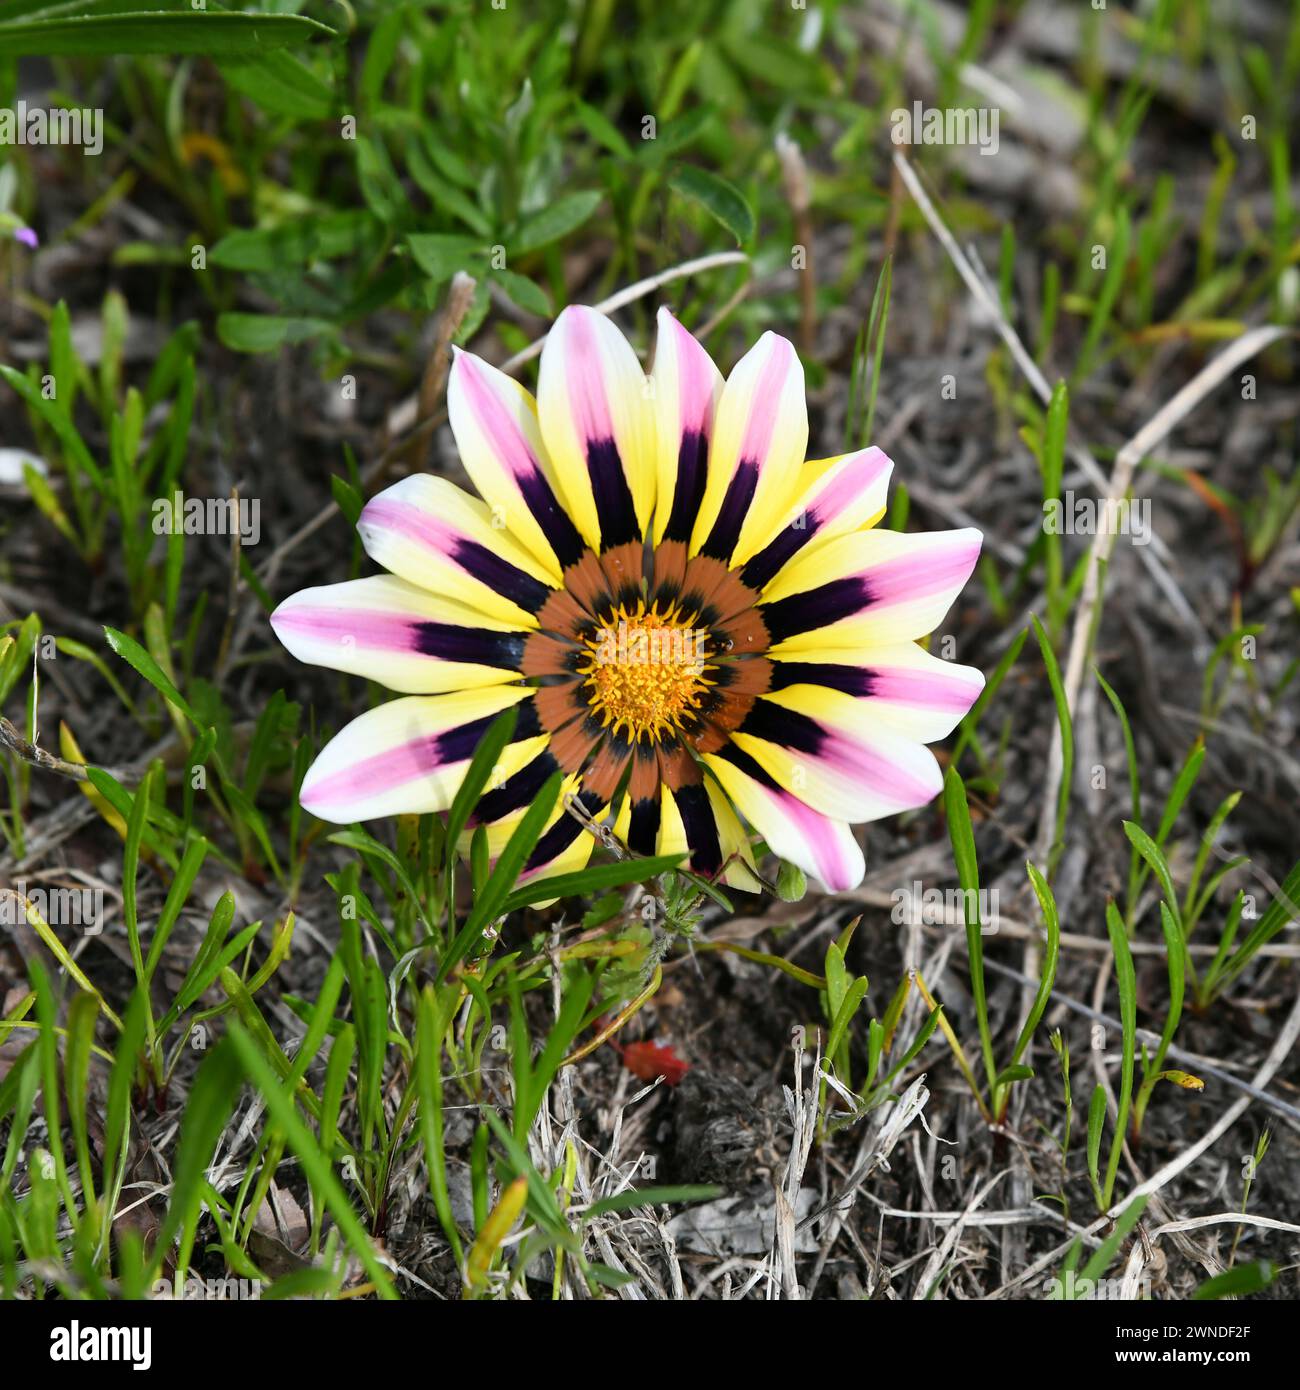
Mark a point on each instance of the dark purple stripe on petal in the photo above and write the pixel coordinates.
(562, 834)
(726, 529)
(450, 642)
(555, 522)
(516, 791)
(615, 509)
(701, 828)
(500, 575)
(815, 608)
(762, 569)
(458, 744)
(785, 727)
(692, 474)
(741, 760)
(852, 680)
(643, 827)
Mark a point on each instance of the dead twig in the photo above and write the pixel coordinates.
(29, 752)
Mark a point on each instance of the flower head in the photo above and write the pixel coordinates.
(695, 624)
(14, 226)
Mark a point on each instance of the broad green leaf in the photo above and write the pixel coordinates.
(440, 255)
(526, 293)
(281, 83)
(722, 200)
(566, 214)
(266, 332)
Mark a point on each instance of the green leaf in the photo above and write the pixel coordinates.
(431, 1025)
(53, 415)
(1066, 726)
(63, 358)
(1283, 910)
(577, 987)
(784, 65)
(1104, 303)
(381, 53)
(1126, 982)
(651, 1196)
(266, 332)
(1155, 858)
(135, 655)
(554, 221)
(117, 1119)
(871, 340)
(271, 249)
(1047, 973)
(524, 292)
(347, 498)
(957, 811)
(601, 129)
(723, 201)
(1107, 1250)
(1176, 955)
(365, 843)
(1096, 1122)
(81, 1015)
(208, 33)
(588, 880)
(510, 863)
(255, 1022)
(1236, 1282)
(1130, 750)
(675, 135)
(130, 868)
(194, 983)
(486, 757)
(1054, 433)
(848, 1007)
(440, 255)
(837, 977)
(791, 883)
(970, 724)
(440, 189)
(281, 83)
(1179, 792)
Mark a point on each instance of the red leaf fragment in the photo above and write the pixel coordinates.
(647, 1060)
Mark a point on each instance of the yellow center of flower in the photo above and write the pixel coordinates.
(645, 670)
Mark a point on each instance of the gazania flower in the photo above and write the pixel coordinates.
(697, 627)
